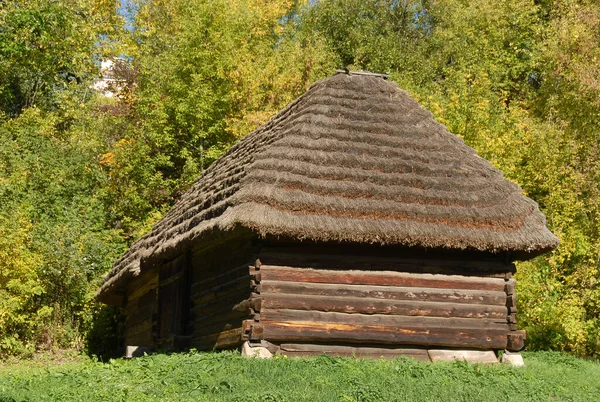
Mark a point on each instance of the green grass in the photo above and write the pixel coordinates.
(229, 377)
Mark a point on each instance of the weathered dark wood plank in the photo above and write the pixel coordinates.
(352, 305)
(367, 254)
(225, 325)
(216, 259)
(221, 340)
(387, 278)
(134, 316)
(144, 326)
(225, 277)
(142, 285)
(223, 315)
(243, 283)
(304, 349)
(227, 301)
(382, 320)
(151, 297)
(321, 258)
(516, 340)
(143, 339)
(385, 292)
(315, 332)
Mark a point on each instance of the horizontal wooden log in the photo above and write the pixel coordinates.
(144, 339)
(142, 285)
(142, 292)
(144, 326)
(385, 292)
(219, 327)
(221, 340)
(303, 349)
(382, 320)
(142, 313)
(217, 259)
(315, 332)
(350, 260)
(352, 305)
(221, 316)
(516, 341)
(151, 297)
(227, 302)
(361, 354)
(274, 273)
(216, 280)
(222, 290)
(379, 256)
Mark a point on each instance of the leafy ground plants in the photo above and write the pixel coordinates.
(229, 377)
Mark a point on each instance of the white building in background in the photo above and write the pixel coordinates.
(110, 85)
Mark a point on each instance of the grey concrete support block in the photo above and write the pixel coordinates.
(471, 356)
(256, 350)
(137, 351)
(513, 358)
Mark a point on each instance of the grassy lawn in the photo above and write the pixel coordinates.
(229, 377)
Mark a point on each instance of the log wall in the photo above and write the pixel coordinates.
(220, 294)
(318, 296)
(141, 310)
(312, 299)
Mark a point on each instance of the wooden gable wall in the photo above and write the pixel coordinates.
(324, 296)
(310, 299)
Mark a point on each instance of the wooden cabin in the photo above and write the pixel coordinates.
(352, 223)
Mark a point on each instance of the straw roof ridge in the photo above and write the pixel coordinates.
(356, 160)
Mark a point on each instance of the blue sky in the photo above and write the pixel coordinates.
(127, 10)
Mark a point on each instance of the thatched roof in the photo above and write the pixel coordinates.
(354, 159)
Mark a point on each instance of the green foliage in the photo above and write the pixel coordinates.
(19, 283)
(47, 50)
(104, 331)
(377, 35)
(55, 242)
(206, 74)
(229, 377)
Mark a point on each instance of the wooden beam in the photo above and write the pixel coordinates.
(315, 332)
(397, 321)
(387, 278)
(337, 258)
(352, 305)
(303, 349)
(516, 340)
(225, 277)
(144, 326)
(222, 290)
(223, 326)
(221, 340)
(226, 302)
(385, 292)
(141, 287)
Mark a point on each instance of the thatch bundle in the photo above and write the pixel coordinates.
(354, 159)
